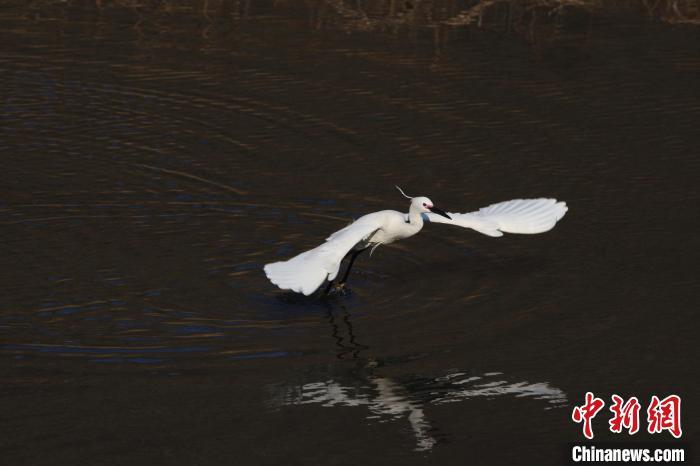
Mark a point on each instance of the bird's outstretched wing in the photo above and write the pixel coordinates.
(527, 216)
(305, 272)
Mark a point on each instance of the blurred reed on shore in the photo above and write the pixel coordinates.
(522, 17)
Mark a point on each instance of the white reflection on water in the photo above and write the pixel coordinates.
(391, 400)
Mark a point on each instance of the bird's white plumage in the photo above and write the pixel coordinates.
(525, 216)
(306, 272)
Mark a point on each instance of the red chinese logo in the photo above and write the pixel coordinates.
(624, 415)
(665, 415)
(661, 415)
(587, 412)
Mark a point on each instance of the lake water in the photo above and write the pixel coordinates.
(153, 163)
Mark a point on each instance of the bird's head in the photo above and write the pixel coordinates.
(424, 205)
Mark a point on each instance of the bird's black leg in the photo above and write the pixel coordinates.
(352, 261)
(339, 286)
(329, 287)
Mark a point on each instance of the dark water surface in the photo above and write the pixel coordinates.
(150, 167)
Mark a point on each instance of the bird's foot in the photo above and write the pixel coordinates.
(338, 289)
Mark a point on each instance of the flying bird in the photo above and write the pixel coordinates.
(306, 272)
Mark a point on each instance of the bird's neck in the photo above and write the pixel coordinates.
(415, 218)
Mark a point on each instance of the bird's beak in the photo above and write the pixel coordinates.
(435, 210)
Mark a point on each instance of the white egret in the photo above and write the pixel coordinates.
(306, 272)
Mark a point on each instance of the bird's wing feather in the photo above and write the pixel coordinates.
(526, 216)
(305, 272)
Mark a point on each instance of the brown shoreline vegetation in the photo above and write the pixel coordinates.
(521, 17)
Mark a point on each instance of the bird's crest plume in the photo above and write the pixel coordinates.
(404, 194)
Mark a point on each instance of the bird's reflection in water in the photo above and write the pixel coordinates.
(343, 333)
(394, 399)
